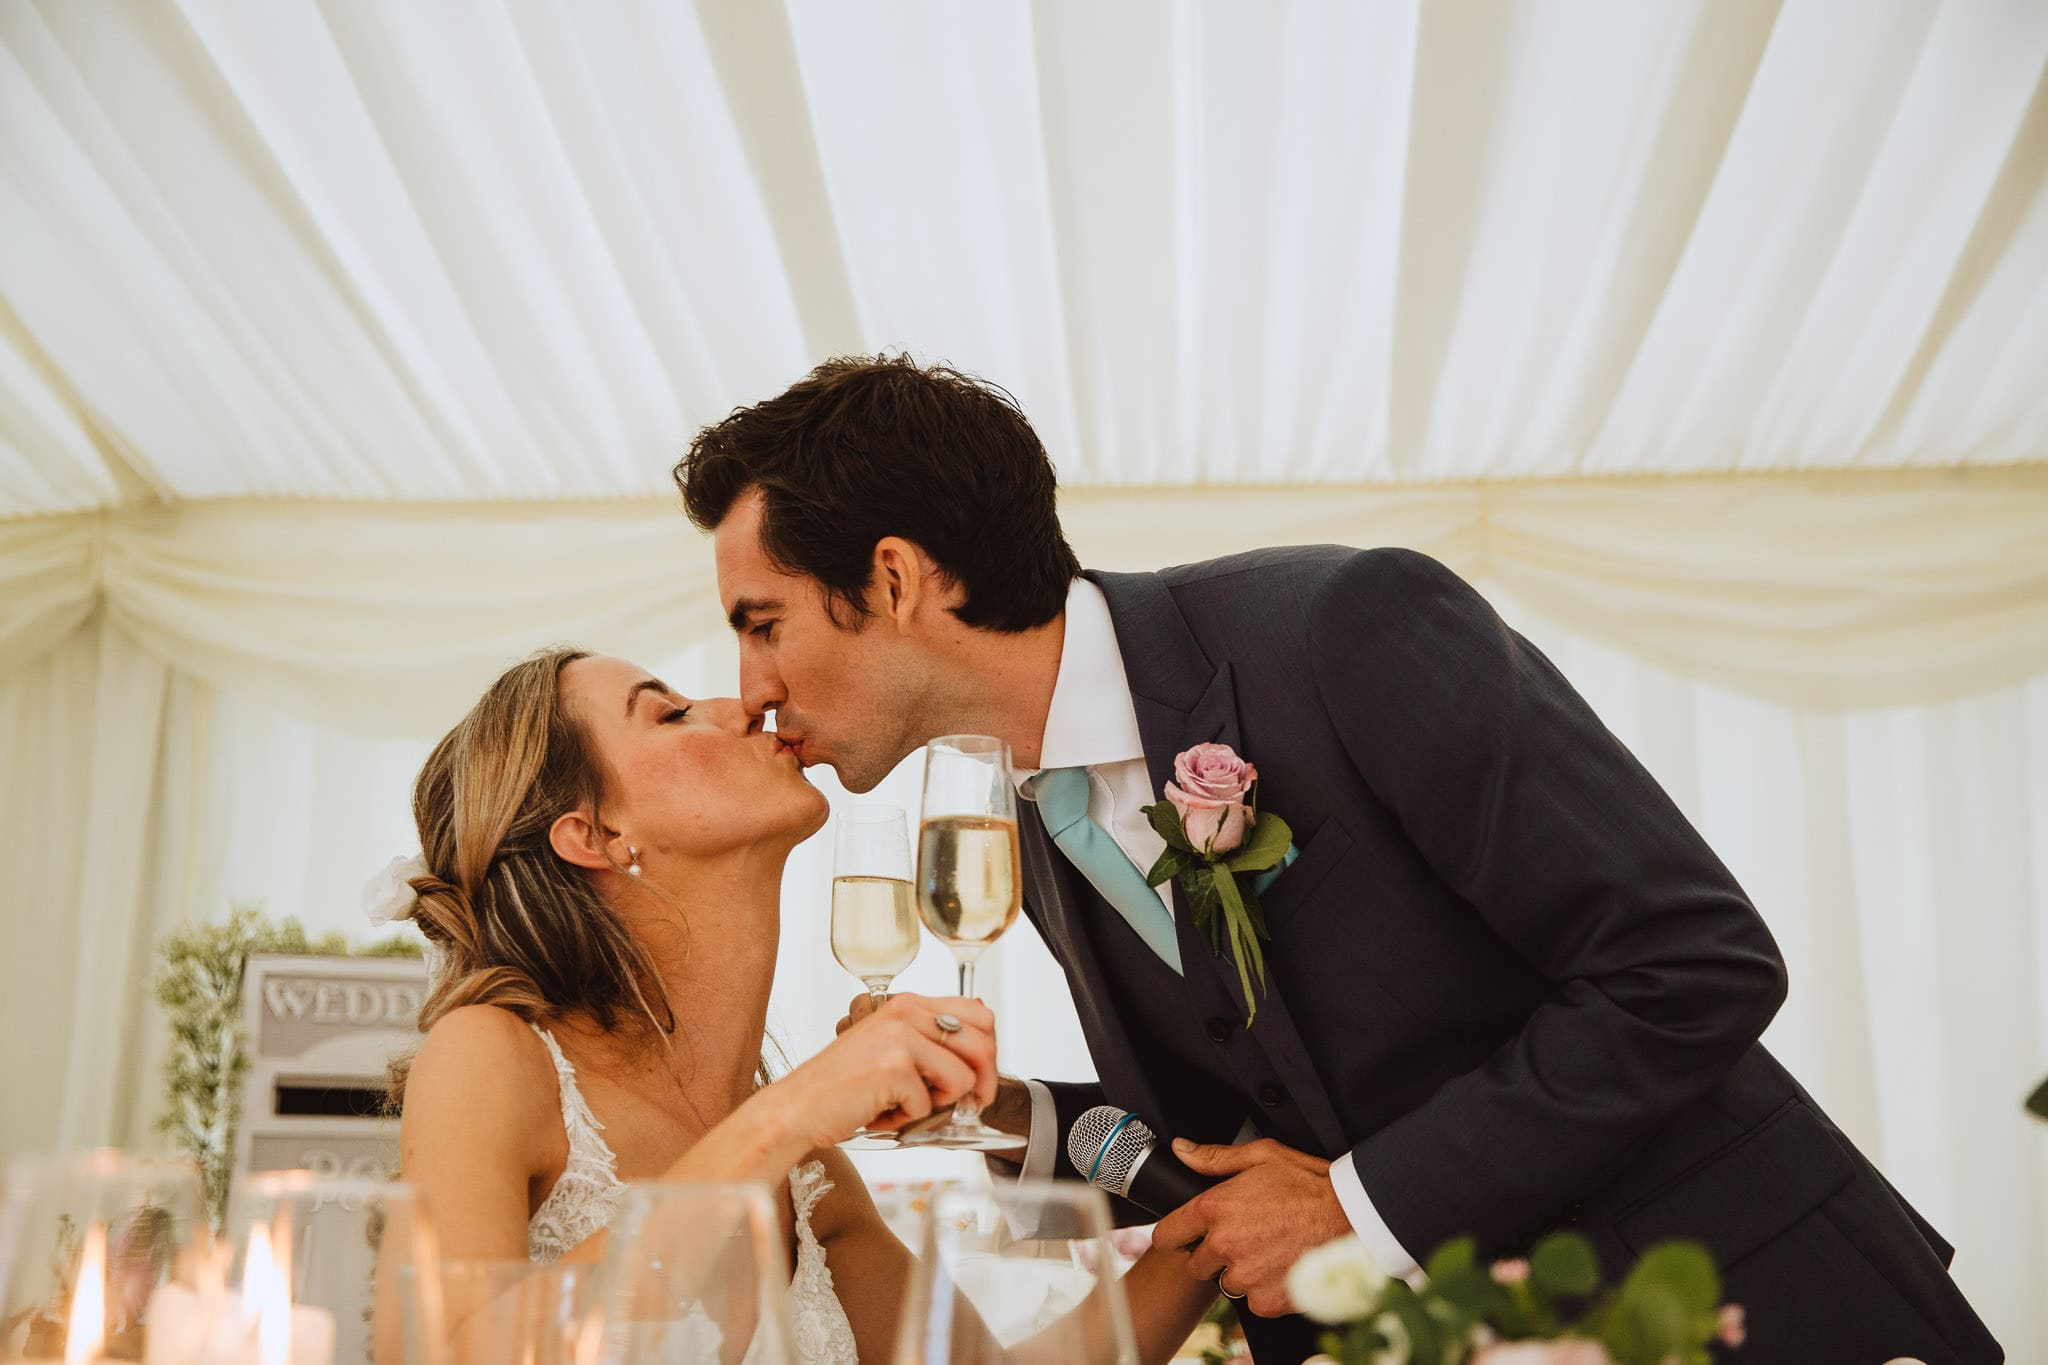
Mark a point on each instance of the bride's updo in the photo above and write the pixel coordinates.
(515, 925)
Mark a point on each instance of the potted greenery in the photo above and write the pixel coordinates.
(199, 984)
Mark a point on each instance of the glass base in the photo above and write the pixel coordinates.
(871, 1140)
(965, 1137)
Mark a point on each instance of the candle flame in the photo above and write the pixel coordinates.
(267, 1298)
(86, 1332)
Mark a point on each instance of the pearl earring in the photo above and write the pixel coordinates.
(633, 868)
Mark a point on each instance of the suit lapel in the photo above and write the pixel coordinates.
(1058, 906)
(1182, 699)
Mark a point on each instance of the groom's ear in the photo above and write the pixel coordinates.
(903, 576)
(578, 840)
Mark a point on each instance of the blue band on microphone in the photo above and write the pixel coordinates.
(1103, 1150)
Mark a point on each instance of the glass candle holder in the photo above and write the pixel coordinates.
(96, 1252)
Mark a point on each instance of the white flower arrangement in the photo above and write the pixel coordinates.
(1337, 1282)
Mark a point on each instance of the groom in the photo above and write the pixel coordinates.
(1509, 987)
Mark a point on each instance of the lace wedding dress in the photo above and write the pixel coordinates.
(586, 1198)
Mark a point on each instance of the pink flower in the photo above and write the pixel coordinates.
(1213, 772)
(1213, 827)
(1511, 1272)
(1209, 785)
(1732, 1326)
(1575, 1351)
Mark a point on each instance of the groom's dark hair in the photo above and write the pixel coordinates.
(865, 447)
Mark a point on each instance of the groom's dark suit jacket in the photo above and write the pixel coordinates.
(1505, 973)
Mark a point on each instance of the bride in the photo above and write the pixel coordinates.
(603, 864)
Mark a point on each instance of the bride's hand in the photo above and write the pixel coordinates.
(894, 1066)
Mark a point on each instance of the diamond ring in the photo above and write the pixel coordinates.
(947, 1023)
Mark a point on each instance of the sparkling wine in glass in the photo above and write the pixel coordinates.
(969, 883)
(874, 910)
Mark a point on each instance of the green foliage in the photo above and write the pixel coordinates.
(1454, 1257)
(1564, 1264)
(1664, 1311)
(199, 984)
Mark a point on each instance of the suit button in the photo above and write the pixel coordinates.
(1271, 1096)
(1219, 1030)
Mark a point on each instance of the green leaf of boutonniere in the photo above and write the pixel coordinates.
(1166, 824)
(1204, 904)
(1266, 845)
(1172, 863)
(1244, 933)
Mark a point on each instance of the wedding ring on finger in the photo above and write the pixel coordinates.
(947, 1023)
(1226, 1290)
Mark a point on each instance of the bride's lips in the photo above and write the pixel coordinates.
(795, 749)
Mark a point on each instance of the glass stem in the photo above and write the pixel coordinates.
(878, 992)
(967, 1109)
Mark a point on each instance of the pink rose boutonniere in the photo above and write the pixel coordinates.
(1215, 836)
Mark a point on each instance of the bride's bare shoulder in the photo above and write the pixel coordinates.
(483, 1062)
(485, 1026)
(480, 1113)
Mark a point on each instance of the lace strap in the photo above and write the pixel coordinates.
(807, 1185)
(589, 1154)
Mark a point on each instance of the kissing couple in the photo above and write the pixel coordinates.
(1506, 987)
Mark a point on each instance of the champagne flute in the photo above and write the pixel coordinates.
(874, 911)
(969, 884)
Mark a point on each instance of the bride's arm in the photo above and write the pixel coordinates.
(871, 1268)
(481, 1125)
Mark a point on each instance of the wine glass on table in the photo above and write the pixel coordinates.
(969, 884)
(1023, 1271)
(874, 910)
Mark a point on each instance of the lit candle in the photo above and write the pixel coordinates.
(285, 1335)
(259, 1326)
(86, 1332)
(85, 1324)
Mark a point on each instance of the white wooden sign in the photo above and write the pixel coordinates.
(321, 1031)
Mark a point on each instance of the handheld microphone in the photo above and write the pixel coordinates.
(1114, 1150)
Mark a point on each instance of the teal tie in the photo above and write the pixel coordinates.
(1062, 796)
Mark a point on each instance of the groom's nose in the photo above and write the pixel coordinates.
(761, 689)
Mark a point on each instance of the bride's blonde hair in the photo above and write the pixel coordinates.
(516, 925)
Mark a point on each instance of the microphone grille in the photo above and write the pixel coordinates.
(1110, 1142)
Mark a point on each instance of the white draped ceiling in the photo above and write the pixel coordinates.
(459, 251)
(345, 345)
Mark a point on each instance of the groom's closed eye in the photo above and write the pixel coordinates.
(745, 614)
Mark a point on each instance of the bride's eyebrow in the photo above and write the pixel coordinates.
(645, 685)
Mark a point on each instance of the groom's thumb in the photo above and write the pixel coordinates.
(1213, 1158)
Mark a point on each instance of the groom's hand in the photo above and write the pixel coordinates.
(1275, 1204)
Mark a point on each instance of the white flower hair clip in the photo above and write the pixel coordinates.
(389, 895)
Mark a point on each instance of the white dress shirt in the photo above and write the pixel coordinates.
(1093, 724)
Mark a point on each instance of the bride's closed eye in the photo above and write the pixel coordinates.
(675, 713)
